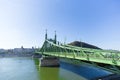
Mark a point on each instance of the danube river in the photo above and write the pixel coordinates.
(22, 68)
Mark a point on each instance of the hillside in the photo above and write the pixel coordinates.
(83, 44)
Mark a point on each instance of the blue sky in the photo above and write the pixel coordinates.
(23, 22)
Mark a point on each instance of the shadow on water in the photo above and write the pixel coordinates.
(86, 71)
(83, 70)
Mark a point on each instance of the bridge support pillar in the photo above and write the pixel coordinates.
(49, 61)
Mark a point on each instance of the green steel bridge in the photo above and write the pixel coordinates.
(107, 57)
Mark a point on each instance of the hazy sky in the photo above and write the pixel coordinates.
(23, 22)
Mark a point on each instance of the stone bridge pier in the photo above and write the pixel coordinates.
(49, 61)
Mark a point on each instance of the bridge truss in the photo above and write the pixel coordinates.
(94, 56)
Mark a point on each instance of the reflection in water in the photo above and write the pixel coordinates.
(36, 61)
(49, 73)
(28, 69)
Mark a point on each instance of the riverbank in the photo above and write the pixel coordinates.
(14, 55)
(19, 52)
(20, 55)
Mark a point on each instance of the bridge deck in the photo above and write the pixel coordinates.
(85, 58)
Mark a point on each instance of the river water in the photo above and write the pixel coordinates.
(22, 68)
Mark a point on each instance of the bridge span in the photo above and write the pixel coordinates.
(52, 47)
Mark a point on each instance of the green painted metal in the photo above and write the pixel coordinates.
(80, 53)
